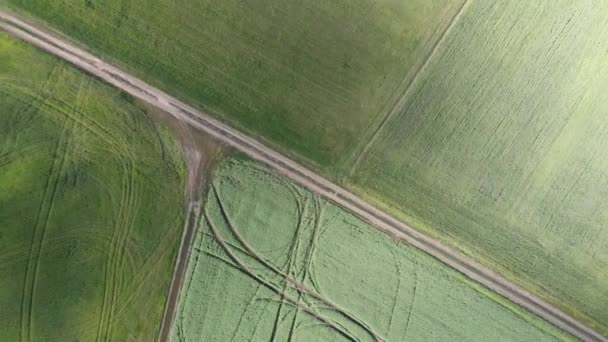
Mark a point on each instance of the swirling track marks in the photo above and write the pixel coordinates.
(297, 285)
(40, 234)
(257, 278)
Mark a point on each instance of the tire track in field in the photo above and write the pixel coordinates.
(126, 228)
(43, 216)
(244, 311)
(68, 110)
(39, 233)
(312, 276)
(118, 237)
(20, 254)
(312, 246)
(71, 125)
(309, 260)
(299, 286)
(292, 328)
(413, 302)
(122, 229)
(145, 271)
(22, 110)
(30, 149)
(108, 271)
(20, 91)
(246, 270)
(58, 105)
(394, 306)
(301, 209)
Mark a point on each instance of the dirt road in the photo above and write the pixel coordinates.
(295, 172)
(194, 200)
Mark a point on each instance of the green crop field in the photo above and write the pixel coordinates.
(496, 128)
(501, 148)
(274, 262)
(310, 76)
(84, 173)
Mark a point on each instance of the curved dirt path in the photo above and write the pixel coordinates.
(297, 173)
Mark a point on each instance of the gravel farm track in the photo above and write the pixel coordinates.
(85, 61)
(194, 200)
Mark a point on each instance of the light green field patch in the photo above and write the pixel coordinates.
(311, 77)
(84, 173)
(501, 148)
(274, 262)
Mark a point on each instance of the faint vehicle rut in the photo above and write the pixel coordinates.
(247, 271)
(297, 285)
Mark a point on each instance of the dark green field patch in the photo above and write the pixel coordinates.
(83, 176)
(312, 77)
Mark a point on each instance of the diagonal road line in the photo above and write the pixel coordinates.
(297, 173)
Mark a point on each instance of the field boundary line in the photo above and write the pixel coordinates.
(408, 89)
(297, 173)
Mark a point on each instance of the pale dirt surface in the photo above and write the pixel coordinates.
(200, 154)
(296, 173)
(193, 197)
